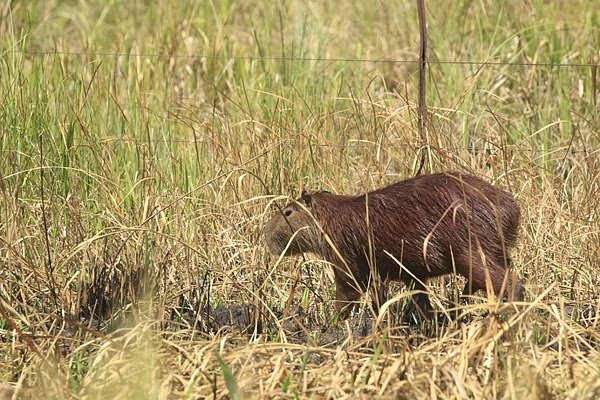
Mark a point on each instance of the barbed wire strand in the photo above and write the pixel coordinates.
(304, 59)
(314, 59)
(488, 149)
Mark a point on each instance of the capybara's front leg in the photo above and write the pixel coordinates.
(346, 296)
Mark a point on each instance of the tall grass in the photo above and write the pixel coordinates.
(142, 144)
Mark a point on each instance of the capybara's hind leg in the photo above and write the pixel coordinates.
(498, 275)
(514, 286)
(515, 291)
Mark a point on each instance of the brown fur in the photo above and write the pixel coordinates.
(432, 224)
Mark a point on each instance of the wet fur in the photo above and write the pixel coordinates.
(433, 224)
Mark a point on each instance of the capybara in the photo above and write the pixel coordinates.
(412, 230)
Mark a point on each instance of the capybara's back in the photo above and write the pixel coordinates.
(438, 222)
(412, 230)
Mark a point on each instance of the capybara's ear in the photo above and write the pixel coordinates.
(306, 198)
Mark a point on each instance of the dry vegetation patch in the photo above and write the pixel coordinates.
(143, 146)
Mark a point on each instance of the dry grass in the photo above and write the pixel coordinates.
(139, 162)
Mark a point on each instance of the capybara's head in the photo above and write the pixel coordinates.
(292, 227)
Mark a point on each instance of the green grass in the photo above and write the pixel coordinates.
(141, 145)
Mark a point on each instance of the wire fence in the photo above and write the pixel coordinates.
(481, 148)
(592, 64)
(487, 147)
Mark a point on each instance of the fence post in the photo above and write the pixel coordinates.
(422, 112)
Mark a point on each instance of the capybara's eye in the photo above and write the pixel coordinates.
(287, 212)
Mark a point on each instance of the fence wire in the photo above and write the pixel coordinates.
(484, 149)
(308, 59)
(412, 61)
